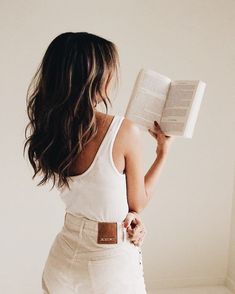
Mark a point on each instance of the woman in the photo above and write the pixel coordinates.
(95, 161)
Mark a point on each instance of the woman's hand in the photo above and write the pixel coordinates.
(163, 141)
(135, 228)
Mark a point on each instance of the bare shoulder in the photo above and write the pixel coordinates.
(130, 134)
(130, 126)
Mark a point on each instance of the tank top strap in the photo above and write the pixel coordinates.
(110, 135)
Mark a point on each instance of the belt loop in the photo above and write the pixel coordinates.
(121, 235)
(64, 224)
(124, 234)
(81, 227)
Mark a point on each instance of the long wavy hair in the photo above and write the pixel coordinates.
(72, 78)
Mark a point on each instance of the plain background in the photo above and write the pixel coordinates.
(189, 218)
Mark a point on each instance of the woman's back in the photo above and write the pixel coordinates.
(99, 191)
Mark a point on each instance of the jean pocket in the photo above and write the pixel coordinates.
(112, 274)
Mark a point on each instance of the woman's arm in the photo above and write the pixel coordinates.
(163, 143)
(152, 175)
(140, 186)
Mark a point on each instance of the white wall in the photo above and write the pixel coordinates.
(230, 281)
(188, 220)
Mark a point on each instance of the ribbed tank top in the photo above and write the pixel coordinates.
(100, 192)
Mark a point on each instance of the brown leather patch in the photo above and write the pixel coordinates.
(107, 233)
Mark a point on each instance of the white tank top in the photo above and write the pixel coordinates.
(100, 192)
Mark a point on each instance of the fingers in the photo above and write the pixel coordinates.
(156, 124)
(128, 220)
(138, 240)
(152, 133)
(157, 131)
(137, 221)
(157, 127)
(138, 230)
(158, 134)
(135, 231)
(137, 234)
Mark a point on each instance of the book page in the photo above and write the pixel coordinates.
(177, 107)
(194, 110)
(148, 98)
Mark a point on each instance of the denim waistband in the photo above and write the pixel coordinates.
(79, 223)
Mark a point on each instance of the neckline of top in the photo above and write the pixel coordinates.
(98, 151)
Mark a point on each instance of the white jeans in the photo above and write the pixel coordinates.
(76, 263)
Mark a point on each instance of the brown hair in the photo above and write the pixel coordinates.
(61, 100)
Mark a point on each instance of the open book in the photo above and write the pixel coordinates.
(173, 104)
